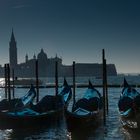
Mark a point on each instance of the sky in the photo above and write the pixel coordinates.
(76, 30)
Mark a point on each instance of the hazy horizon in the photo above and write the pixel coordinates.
(74, 30)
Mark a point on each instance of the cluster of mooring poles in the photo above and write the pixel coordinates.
(104, 84)
(37, 80)
(8, 83)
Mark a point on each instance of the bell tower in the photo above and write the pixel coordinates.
(13, 51)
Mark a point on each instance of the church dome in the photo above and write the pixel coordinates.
(42, 55)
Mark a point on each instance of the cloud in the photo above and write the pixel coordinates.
(21, 6)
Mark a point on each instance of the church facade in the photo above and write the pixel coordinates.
(47, 65)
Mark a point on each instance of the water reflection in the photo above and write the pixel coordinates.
(58, 130)
(87, 134)
(53, 130)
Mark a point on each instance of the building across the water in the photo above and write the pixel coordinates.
(47, 65)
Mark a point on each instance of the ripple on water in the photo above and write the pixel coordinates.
(112, 131)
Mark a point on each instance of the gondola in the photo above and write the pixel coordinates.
(129, 106)
(16, 103)
(47, 109)
(86, 112)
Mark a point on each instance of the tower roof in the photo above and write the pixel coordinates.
(12, 36)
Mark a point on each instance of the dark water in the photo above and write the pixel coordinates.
(58, 130)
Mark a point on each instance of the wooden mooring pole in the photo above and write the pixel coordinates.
(56, 78)
(106, 86)
(9, 87)
(37, 82)
(13, 77)
(104, 95)
(73, 85)
(5, 76)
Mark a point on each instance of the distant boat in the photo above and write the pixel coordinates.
(87, 111)
(129, 106)
(48, 108)
(25, 82)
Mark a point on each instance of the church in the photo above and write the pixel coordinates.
(47, 65)
(27, 69)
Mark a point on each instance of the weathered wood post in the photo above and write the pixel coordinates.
(5, 76)
(13, 77)
(103, 77)
(56, 78)
(9, 87)
(37, 82)
(73, 85)
(106, 85)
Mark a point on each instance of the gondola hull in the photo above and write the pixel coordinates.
(86, 112)
(75, 122)
(18, 102)
(129, 107)
(24, 121)
(48, 109)
(131, 120)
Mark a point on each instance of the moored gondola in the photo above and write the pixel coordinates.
(48, 108)
(129, 106)
(86, 112)
(16, 103)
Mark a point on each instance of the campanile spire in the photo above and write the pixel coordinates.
(13, 51)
